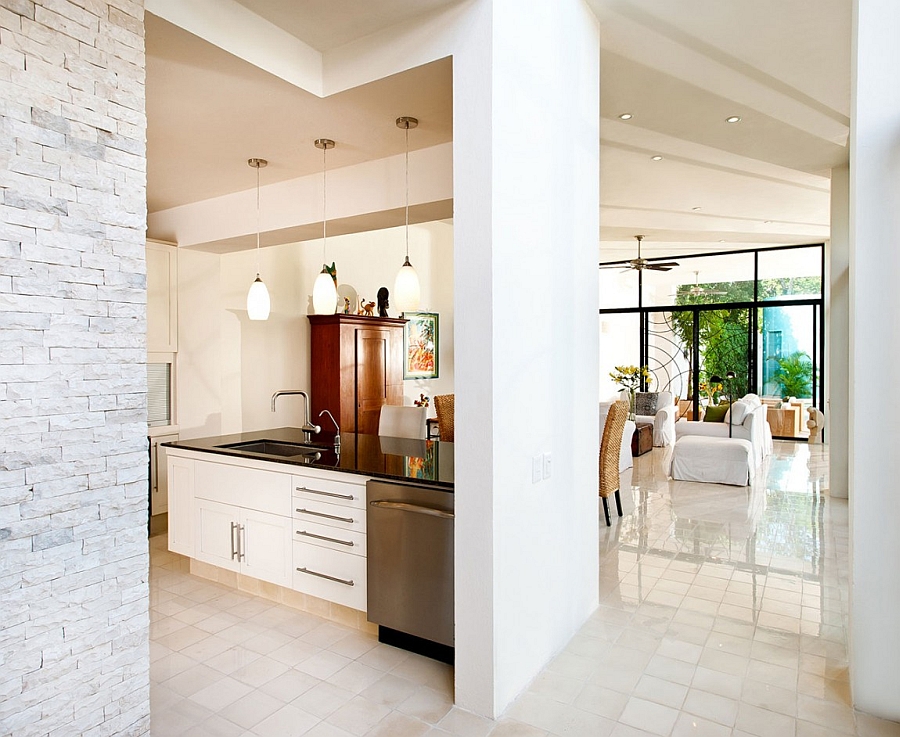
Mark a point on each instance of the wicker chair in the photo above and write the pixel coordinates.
(610, 445)
(443, 406)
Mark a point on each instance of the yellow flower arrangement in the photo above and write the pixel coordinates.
(629, 377)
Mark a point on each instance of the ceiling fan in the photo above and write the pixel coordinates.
(639, 264)
(697, 291)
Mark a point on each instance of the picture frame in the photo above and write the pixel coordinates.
(421, 343)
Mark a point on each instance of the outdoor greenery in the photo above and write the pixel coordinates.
(724, 333)
(794, 375)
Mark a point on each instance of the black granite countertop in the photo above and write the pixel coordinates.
(429, 462)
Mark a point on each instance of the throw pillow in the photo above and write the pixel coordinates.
(645, 403)
(716, 413)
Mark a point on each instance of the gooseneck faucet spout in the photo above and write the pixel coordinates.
(308, 428)
(337, 430)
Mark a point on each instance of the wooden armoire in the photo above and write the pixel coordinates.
(356, 366)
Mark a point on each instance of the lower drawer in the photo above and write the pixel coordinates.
(332, 575)
(345, 541)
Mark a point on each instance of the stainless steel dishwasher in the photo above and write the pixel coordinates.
(410, 566)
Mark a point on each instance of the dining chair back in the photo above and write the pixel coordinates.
(443, 406)
(402, 422)
(610, 445)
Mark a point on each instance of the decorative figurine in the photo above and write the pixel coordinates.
(368, 309)
(346, 305)
(383, 303)
(815, 423)
(332, 270)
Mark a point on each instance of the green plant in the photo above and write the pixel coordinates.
(794, 375)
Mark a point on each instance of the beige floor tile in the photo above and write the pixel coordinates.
(650, 717)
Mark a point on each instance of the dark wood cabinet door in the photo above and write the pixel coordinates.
(373, 359)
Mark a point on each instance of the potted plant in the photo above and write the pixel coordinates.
(630, 379)
(794, 375)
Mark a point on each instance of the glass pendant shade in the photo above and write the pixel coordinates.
(258, 303)
(406, 288)
(324, 294)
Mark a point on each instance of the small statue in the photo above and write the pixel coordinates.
(332, 270)
(383, 303)
(815, 423)
(369, 309)
(346, 305)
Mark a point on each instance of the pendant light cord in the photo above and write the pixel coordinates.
(407, 192)
(257, 220)
(324, 211)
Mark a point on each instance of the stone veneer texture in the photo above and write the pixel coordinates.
(73, 450)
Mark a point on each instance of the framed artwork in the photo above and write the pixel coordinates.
(420, 345)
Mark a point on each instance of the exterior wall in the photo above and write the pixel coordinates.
(73, 447)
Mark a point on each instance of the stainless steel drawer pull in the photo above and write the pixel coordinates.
(325, 575)
(417, 508)
(234, 549)
(350, 543)
(348, 520)
(348, 497)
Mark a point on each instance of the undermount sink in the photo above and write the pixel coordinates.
(273, 448)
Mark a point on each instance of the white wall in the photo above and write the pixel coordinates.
(837, 342)
(874, 359)
(228, 366)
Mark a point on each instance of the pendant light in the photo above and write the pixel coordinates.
(406, 285)
(324, 291)
(258, 303)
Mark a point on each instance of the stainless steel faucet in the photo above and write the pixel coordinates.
(337, 430)
(308, 428)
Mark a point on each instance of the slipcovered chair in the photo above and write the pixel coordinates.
(402, 422)
(443, 406)
(610, 446)
(662, 416)
(748, 422)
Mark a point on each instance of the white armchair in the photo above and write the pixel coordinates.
(663, 421)
(748, 423)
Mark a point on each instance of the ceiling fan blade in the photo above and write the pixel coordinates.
(657, 267)
(616, 266)
(665, 263)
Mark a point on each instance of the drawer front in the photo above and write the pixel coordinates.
(330, 491)
(347, 541)
(332, 515)
(251, 488)
(330, 575)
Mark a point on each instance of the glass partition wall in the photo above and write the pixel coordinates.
(756, 313)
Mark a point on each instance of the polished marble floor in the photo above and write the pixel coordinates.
(722, 611)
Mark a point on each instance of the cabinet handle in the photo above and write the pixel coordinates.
(349, 543)
(348, 497)
(346, 582)
(348, 520)
(241, 542)
(234, 549)
(407, 507)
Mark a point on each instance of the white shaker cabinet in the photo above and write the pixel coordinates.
(162, 297)
(181, 504)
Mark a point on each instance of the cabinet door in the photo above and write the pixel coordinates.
(375, 376)
(162, 298)
(181, 503)
(216, 533)
(266, 547)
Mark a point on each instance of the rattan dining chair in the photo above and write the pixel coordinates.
(443, 406)
(610, 445)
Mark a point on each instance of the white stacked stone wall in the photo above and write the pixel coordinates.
(73, 450)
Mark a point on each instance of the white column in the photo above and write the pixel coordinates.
(875, 359)
(837, 330)
(526, 193)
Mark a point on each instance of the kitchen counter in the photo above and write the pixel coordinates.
(429, 462)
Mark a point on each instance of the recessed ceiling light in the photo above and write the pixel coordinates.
(656, 158)
(733, 119)
(626, 116)
(695, 208)
(722, 240)
(767, 222)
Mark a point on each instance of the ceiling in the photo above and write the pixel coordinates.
(679, 68)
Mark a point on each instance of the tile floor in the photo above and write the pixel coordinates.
(722, 612)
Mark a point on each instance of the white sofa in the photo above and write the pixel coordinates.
(663, 421)
(749, 423)
(625, 459)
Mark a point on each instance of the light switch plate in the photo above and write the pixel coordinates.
(548, 465)
(536, 463)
